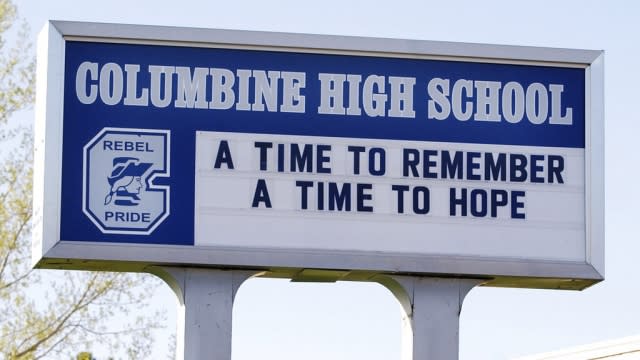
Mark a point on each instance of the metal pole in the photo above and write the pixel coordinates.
(205, 309)
(431, 314)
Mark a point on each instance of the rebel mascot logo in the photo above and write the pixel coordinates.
(120, 168)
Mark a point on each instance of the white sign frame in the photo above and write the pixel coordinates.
(50, 252)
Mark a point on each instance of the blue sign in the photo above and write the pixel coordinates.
(218, 148)
(132, 112)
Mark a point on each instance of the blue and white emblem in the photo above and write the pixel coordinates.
(121, 169)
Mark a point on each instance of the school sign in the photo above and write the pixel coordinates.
(289, 152)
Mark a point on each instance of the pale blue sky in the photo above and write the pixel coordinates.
(280, 320)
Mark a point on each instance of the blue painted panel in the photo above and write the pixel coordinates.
(83, 121)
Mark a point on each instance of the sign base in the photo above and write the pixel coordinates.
(430, 321)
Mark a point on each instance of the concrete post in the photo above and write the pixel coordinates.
(205, 309)
(431, 314)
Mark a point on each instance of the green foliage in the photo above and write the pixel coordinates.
(51, 314)
(16, 65)
(84, 356)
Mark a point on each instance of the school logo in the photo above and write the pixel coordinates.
(122, 174)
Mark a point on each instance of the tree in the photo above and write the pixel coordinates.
(51, 314)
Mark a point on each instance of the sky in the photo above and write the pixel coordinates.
(276, 319)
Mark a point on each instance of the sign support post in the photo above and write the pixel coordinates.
(431, 314)
(431, 307)
(205, 299)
